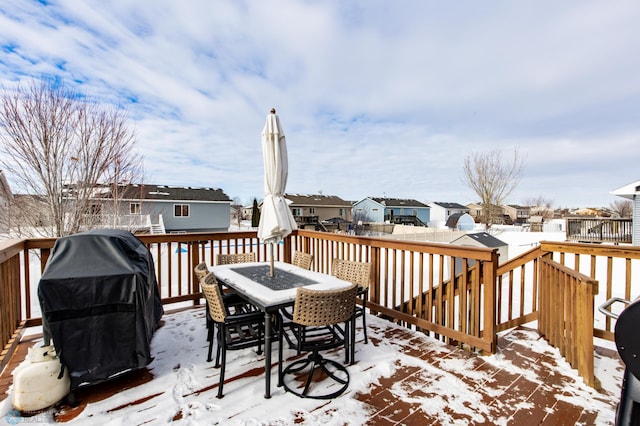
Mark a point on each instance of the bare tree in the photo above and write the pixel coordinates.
(361, 217)
(492, 180)
(540, 206)
(236, 207)
(67, 150)
(622, 208)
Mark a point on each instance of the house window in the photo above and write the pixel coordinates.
(312, 210)
(181, 210)
(341, 212)
(134, 208)
(296, 211)
(414, 212)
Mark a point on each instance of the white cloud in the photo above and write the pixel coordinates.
(375, 97)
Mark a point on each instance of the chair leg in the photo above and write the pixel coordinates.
(219, 349)
(352, 327)
(280, 333)
(224, 364)
(210, 339)
(347, 340)
(364, 319)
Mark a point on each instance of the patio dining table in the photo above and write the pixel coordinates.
(253, 282)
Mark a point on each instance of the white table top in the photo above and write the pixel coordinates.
(266, 295)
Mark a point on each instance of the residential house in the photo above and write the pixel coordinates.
(475, 210)
(391, 210)
(312, 211)
(163, 208)
(439, 212)
(29, 212)
(519, 215)
(498, 216)
(588, 211)
(6, 196)
(632, 192)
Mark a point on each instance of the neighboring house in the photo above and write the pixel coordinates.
(162, 208)
(461, 222)
(439, 212)
(475, 210)
(312, 210)
(483, 239)
(29, 211)
(632, 192)
(519, 214)
(498, 216)
(391, 210)
(6, 197)
(588, 211)
(247, 212)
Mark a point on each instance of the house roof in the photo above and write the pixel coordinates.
(398, 202)
(450, 205)
(316, 200)
(627, 191)
(172, 193)
(485, 239)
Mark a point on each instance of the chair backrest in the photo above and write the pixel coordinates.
(324, 307)
(201, 270)
(358, 273)
(302, 259)
(211, 291)
(225, 259)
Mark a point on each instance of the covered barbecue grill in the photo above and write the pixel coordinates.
(628, 345)
(100, 304)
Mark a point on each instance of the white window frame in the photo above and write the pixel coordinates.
(181, 206)
(135, 208)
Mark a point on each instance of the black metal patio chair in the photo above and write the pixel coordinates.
(322, 320)
(233, 330)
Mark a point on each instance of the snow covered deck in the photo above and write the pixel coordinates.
(400, 377)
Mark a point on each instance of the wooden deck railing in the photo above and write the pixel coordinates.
(599, 230)
(410, 283)
(566, 302)
(457, 294)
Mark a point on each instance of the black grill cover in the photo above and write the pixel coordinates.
(100, 304)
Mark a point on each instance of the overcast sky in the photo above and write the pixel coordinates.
(377, 98)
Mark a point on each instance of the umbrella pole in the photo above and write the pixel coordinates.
(271, 266)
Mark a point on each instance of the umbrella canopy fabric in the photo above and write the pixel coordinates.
(276, 220)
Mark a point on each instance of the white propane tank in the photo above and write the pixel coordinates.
(36, 385)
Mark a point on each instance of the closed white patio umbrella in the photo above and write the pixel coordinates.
(276, 220)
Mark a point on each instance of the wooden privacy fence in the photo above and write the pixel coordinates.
(566, 309)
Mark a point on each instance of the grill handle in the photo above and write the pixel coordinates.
(605, 308)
